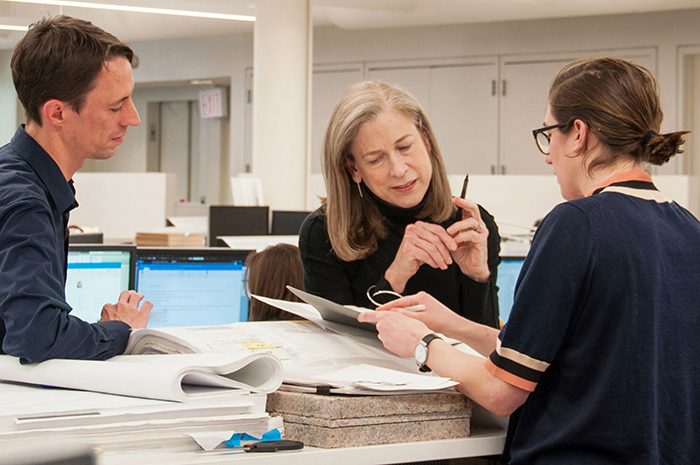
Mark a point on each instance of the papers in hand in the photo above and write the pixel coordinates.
(323, 312)
(332, 311)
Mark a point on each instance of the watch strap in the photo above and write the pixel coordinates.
(425, 341)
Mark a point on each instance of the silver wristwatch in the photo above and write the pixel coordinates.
(420, 353)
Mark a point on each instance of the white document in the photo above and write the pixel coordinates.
(331, 311)
(384, 379)
(164, 377)
(304, 310)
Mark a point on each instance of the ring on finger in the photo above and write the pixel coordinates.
(478, 229)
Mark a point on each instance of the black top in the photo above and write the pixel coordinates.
(347, 282)
(35, 201)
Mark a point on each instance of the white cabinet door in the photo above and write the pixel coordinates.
(525, 87)
(328, 86)
(464, 115)
(462, 109)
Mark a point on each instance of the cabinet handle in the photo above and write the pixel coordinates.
(493, 169)
(493, 87)
(503, 87)
(503, 169)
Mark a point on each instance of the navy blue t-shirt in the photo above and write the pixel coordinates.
(604, 332)
(35, 324)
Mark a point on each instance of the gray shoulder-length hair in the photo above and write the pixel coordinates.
(354, 223)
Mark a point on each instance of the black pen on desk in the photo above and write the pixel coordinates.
(464, 187)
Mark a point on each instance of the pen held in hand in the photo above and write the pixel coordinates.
(463, 195)
(415, 308)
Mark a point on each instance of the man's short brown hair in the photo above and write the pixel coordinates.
(60, 58)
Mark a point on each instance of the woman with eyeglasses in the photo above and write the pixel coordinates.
(598, 361)
(389, 225)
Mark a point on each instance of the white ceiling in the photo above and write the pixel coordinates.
(349, 14)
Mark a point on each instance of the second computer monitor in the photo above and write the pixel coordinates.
(226, 220)
(508, 273)
(192, 287)
(287, 223)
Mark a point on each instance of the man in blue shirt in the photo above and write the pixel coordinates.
(75, 83)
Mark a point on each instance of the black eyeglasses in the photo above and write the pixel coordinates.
(542, 138)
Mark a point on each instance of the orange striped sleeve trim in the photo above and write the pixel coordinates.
(509, 377)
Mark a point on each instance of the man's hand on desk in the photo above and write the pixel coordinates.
(127, 310)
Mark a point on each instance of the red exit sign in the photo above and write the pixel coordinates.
(212, 103)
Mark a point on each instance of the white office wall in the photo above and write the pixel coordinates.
(8, 99)
(122, 204)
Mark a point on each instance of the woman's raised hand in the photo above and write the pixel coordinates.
(471, 236)
(422, 243)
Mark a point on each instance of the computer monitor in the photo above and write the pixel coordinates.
(508, 272)
(227, 220)
(287, 223)
(85, 238)
(192, 287)
(96, 275)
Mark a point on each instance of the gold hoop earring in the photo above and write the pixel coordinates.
(359, 189)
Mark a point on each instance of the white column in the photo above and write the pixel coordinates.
(281, 82)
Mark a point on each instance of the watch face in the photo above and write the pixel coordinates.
(420, 353)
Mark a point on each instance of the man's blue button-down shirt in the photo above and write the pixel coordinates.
(35, 202)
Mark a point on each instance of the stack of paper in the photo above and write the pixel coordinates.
(166, 377)
(110, 422)
(169, 239)
(147, 400)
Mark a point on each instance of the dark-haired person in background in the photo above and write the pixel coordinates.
(268, 273)
(74, 81)
(598, 363)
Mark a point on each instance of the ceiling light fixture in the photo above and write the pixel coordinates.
(139, 9)
(8, 27)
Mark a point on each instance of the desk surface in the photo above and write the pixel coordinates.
(484, 441)
(257, 242)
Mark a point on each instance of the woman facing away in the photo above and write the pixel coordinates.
(389, 225)
(268, 273)
(598, 361)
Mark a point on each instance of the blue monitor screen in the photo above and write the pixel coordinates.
(193, 287)
(508, 272)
